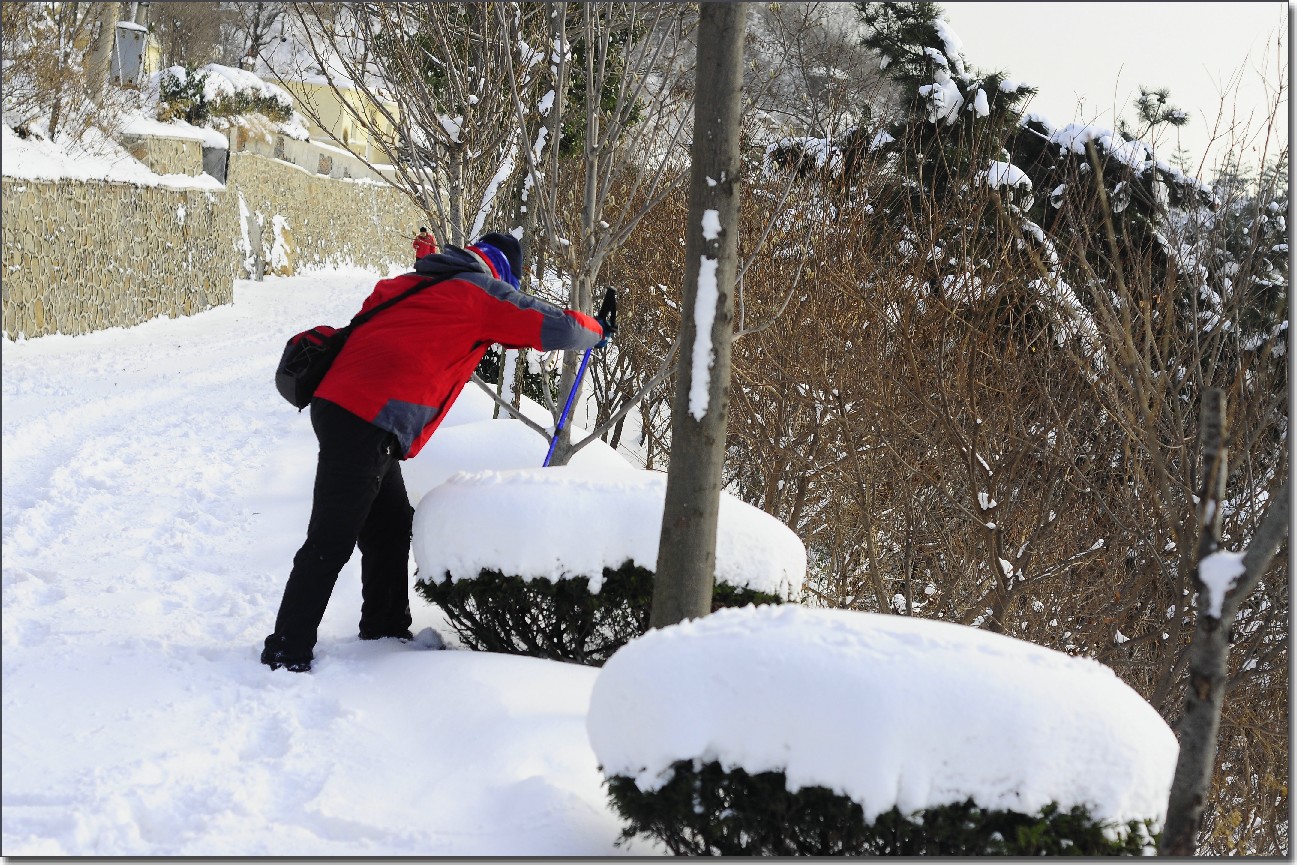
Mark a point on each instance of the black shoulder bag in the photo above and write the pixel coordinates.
(309, 354)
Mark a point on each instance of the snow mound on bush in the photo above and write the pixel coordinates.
(886, 710)
(571, 521)
(492, 445)
(474, 405)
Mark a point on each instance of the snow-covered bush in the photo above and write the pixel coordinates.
(860, 733)
(181, 96)
(566, 572)
(705, 810)
(562, 620)
(51, 87)
(197, 95)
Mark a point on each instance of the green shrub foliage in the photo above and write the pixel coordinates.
(560, 620)
(705, 810)
(185, 96)
(248, 102)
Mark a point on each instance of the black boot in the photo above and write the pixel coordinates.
(402, 634)
(276, 654)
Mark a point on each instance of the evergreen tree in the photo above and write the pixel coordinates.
(947, 145)
(1154, 111)
(955, 120)
(586, 103)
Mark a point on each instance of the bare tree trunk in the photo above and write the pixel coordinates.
(1209, 649)
(455, 171)
(100, 58)
(686, 565)
(258, 23)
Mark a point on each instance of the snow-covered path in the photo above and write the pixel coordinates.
(155, 489)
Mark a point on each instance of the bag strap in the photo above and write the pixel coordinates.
(362, 317)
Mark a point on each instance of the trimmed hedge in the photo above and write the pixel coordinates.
(185, 96)
(559, 620)
(705, 810)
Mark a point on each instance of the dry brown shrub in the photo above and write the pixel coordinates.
(946, 444)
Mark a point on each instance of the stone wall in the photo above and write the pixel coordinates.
(80, 256)
(330, 222)
(166, 155)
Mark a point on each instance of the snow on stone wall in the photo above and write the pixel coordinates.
(86, 255)
(166, 155)
(331, 222)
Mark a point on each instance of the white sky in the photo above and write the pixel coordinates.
(1087, 58)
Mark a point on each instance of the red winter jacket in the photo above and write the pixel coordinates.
(402, 369)
(424, 244)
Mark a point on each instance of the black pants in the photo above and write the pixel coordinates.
(360, 500)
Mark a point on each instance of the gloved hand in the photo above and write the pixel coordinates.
(608, 331)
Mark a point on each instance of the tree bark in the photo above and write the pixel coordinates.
(100, 58)
(258, 23)
(1209, 648)
(686, 565)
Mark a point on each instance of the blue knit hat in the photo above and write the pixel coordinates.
(503, 254)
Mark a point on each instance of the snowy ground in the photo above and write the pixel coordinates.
(155, 489)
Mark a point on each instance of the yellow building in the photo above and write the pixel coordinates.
(330, 117)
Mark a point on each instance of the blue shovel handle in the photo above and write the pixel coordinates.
(607, 317)
(558, 428)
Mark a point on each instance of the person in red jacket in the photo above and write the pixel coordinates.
(385, 395)
(424, 243)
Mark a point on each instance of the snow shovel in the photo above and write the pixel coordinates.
(607, 315)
